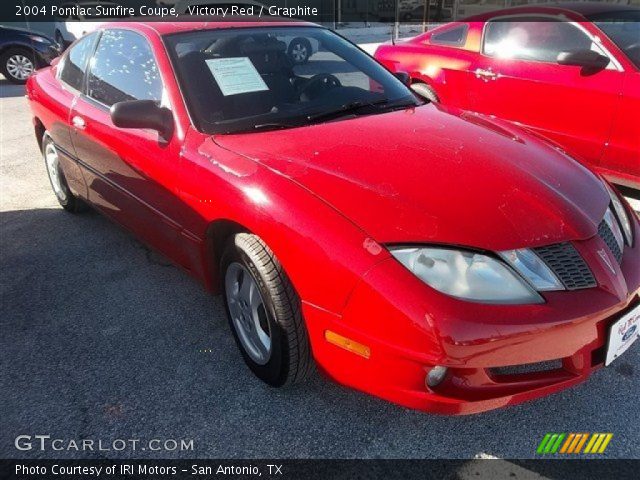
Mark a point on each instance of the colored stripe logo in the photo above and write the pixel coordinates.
(574, 443)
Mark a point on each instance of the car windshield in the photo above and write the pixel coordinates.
(250, 79)
(623, 28)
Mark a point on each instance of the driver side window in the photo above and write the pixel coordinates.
(123, 68)
(539, 41)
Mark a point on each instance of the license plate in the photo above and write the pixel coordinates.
(622, 334)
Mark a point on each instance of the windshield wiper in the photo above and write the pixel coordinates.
(274, 126)
(355, 107)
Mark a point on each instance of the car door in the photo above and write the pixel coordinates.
(621, 159)
(61, 96)
(130, 172)
(517, 77)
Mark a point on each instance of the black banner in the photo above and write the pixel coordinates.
(333, 12)
(321, 469)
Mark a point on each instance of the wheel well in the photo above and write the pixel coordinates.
(218, 233)
(39, 131)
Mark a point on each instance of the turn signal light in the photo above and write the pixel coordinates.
(347, 344)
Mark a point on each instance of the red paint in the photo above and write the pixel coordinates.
(594, 117)
(327, 197)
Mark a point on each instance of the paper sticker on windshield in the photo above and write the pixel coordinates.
(236, 75)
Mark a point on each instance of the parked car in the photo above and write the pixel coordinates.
(68, 29)
(571, 74)
(432, 257)
(299, 49)
(23, 51)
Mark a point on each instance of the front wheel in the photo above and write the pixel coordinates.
(264, 312)
(58, 181)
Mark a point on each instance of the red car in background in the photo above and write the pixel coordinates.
(570, 73)
(432, 257)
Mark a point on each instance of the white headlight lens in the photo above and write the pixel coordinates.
(621, 213)
(38, 39)
(531, 267)
(466, 275)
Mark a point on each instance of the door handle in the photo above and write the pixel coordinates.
(78, 122)
(485, 75)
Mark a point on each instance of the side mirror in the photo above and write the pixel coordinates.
(403, 77)
(584, 58)
(142, 114)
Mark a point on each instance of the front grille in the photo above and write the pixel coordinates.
(567, 264)
(607, 235)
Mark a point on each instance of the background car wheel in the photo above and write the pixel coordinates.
(299, 51)
(425, 91)
(17, 64)
(58, 181)
(264, 312)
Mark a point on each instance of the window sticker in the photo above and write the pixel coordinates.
(236, 75)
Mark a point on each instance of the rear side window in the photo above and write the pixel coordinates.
(75, 62)
(540, 41)
(451, 36)
(123, 68)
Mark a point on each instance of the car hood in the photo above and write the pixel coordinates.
(433, 175)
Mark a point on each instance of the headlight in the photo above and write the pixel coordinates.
(466, 275)
(39, 39)
(621, 214)
(531, 267)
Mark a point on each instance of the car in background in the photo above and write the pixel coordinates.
(420, 253)
(68, 29)
(299, 49)
(569, 73)
(22, 52)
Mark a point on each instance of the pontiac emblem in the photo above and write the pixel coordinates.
(605, 259)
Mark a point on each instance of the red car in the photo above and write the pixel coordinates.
(570, 74)
(425, 255)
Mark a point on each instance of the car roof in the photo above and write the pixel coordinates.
(186, 25)
(583, 9)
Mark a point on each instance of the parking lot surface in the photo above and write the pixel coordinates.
(101, 338)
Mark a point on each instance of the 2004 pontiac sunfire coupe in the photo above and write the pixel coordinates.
(438, 259)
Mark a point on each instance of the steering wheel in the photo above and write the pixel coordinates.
(320, 82)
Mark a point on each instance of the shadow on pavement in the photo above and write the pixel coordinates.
(8, 89)
(103, 339)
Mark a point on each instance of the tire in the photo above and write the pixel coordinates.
(287, 358)
(17, 64)
(299, 51)
(58, 182)
(425, 91)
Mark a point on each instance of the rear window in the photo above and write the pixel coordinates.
(451, 36)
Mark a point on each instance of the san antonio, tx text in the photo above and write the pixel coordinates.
(145, 469)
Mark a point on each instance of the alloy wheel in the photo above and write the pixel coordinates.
(20, 66)
(299, 53)
(53, 167)
(248, 313)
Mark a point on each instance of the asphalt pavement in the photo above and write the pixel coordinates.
(100, 338)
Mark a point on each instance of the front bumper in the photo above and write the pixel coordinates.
(409, 328)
